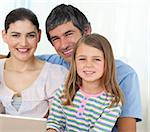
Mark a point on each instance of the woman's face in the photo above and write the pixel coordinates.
(22, 38)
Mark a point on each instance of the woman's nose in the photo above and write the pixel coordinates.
(23, 41)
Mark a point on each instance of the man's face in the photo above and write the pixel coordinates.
(64, 38)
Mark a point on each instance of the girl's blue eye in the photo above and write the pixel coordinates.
(81, 59)
(97, 59)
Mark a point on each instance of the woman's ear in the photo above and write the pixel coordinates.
(39, 33)
(87, 29)
(4, 36)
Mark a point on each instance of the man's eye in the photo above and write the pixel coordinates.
(68, 34)
(54, 39)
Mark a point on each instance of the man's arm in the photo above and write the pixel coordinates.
(131, 110)
(126, 124)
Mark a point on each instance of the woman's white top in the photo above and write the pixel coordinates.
(36, 98)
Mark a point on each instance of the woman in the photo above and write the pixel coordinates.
(27, 83)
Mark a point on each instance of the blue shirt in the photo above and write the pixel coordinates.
(127, 79)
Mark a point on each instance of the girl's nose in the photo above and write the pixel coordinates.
(88, 63)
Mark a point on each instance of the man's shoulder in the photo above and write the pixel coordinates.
(49, 58)
(123, 67)
(54, 59)
(125, 72)
(129, 83)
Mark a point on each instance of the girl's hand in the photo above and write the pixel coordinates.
(51, 130)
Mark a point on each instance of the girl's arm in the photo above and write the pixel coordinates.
(56, 119)
(107, 119)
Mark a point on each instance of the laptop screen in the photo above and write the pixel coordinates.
(9, 123)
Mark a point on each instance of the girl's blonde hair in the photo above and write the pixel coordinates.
(108, 80)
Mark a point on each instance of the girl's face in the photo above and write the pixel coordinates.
(89, 63)
(22, 38)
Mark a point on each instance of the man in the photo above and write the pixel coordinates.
(65, 25)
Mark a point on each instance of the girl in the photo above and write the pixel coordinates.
(91, 99)
(27, 84)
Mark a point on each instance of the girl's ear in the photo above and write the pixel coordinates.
(87, 29)
(4, 36)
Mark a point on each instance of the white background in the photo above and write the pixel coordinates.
(126, 24)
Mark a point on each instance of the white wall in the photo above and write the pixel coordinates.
(126, 24)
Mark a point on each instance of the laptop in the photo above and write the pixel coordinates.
(9, 123)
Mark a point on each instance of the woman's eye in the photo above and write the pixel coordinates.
(15, 35)
(31, 35)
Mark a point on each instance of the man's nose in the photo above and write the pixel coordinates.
(64, 42)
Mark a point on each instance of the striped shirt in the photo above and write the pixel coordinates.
(89, 113)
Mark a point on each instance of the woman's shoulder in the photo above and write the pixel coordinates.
(55, 68)
(2, 61)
